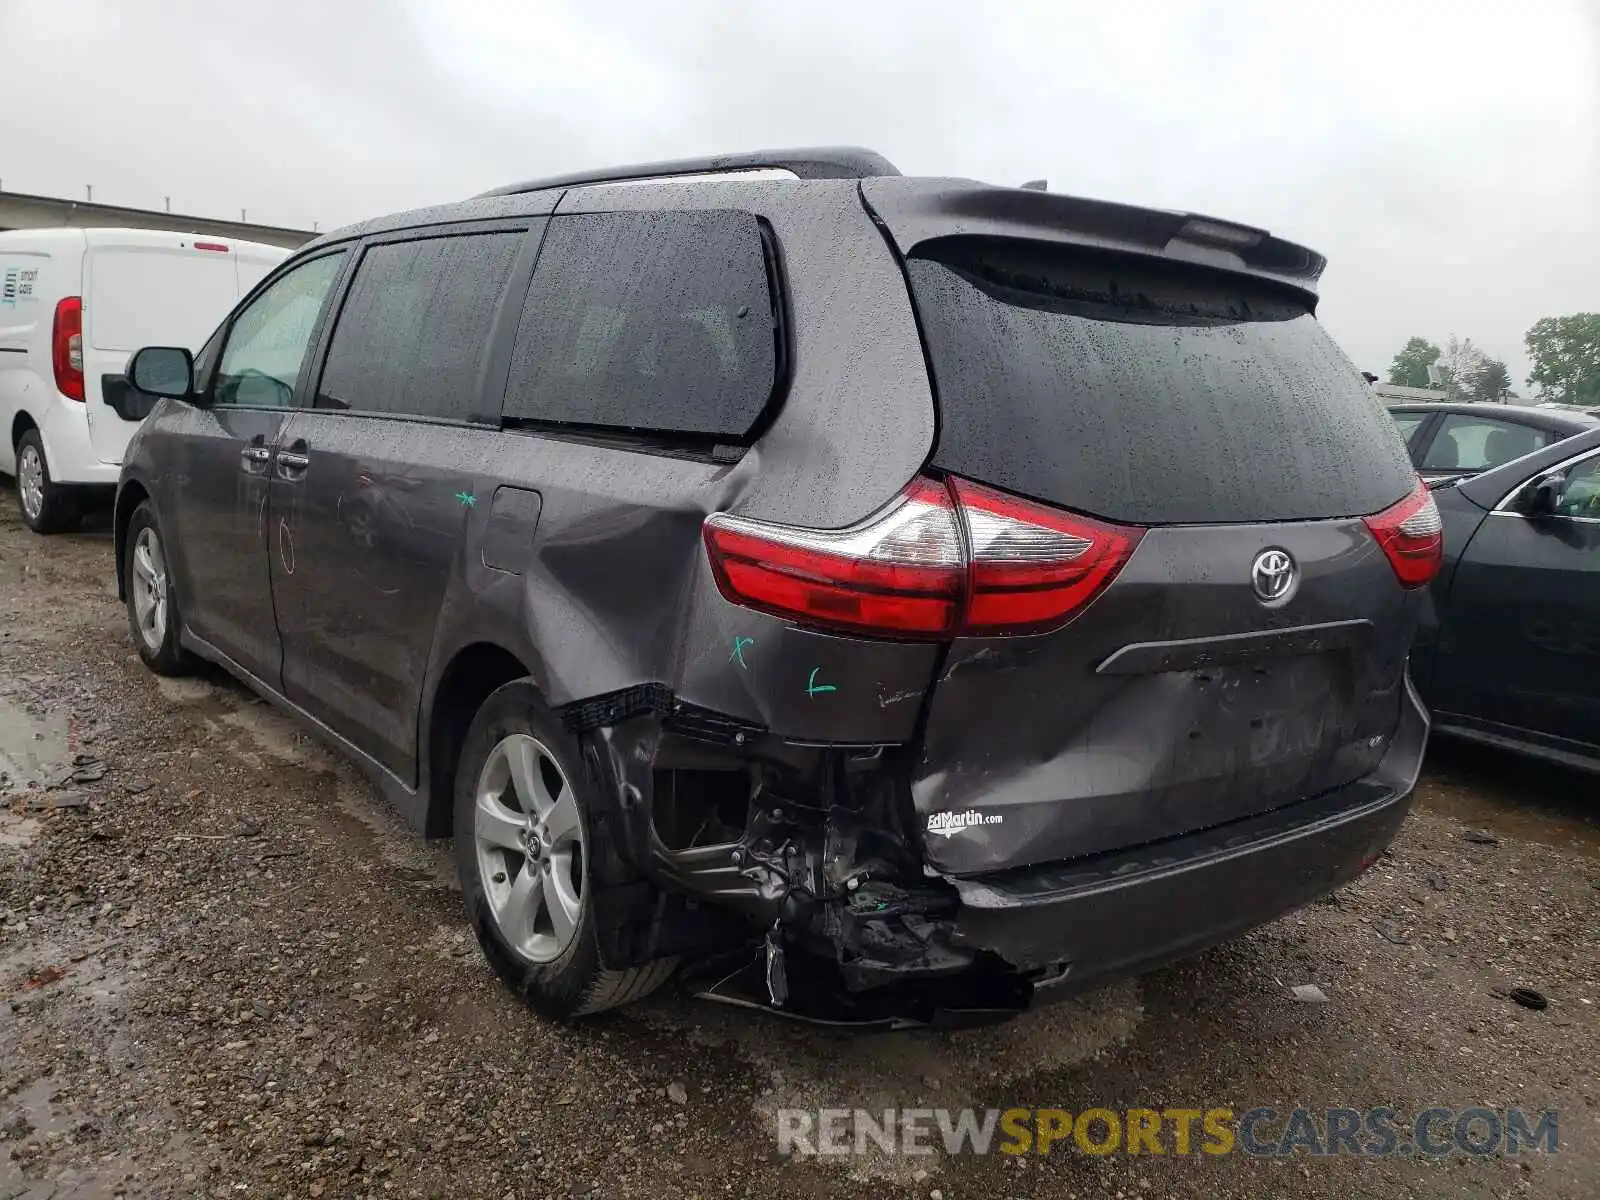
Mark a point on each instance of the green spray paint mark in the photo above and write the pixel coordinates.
(813, 688)
(466, 498)
(739, 643)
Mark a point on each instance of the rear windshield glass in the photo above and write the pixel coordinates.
(1146, 393)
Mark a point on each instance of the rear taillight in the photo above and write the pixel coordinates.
(1412, 535)
(900, 571)
(938, 561)
(1034, 567)
(66, 347)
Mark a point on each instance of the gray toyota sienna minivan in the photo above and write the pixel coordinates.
(882, 599)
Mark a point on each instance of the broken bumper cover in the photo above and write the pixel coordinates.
(1122, 913)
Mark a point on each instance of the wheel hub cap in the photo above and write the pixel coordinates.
(30, 482)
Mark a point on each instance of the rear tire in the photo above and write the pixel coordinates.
(46, 506)
(152, 599)
(523, 808)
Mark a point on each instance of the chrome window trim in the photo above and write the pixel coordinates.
(1503, 508)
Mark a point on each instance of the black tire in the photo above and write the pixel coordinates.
(575, 983)
(164, 655)
(57, 509)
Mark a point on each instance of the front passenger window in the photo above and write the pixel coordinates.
(269, 339)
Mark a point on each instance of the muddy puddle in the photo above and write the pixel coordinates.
(1511, 796)
(31, 748)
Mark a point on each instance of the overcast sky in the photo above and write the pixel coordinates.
(1445, 156)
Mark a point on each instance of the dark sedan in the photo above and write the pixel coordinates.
(1511, 651)
(1453, 441)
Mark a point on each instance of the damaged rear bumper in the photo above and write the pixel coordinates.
(1073, 924)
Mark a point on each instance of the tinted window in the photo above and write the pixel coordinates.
(1466, 443)
(654, 321)
(1146, 393)
(267, 341)
(414, 326)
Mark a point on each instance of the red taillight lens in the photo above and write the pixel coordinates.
(900, 571)
(1412, 535)
(66, 347)
(907, 571)
(1032, 566)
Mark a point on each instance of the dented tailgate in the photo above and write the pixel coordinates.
(1176, 702)
(1251, 653)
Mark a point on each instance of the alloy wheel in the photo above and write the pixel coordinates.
(529, 840)
(150, 589)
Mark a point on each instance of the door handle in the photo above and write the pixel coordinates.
(253, 459)
(292, 465)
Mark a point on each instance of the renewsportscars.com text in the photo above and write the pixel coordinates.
(1259, 1132)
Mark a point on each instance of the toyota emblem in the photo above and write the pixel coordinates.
(1273, 576)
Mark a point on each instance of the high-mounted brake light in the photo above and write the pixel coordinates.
(66, 347)
(215, 246)
(936, 562)
(1411, 534)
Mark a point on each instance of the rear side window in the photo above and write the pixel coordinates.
(415, 324)
(648, 321)
(1144, 392)
(1467, 443)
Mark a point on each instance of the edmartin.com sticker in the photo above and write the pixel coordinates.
(948, 824)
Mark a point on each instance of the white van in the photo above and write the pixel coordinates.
(74, 304)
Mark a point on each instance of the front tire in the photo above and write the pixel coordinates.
(46, 506)
(152, 599)
(523, 807)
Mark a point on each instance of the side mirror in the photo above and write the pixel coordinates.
(163, 371)
(1546, 495)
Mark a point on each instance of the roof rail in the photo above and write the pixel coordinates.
(825, 162)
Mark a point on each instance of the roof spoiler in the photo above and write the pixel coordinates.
(918, 210)
(825, 162)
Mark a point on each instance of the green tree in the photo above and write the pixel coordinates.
(1491, 382)
(1566, 358)
(1410, 366)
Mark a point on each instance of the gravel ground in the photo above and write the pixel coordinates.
(227, 970)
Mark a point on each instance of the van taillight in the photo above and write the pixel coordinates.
(939, 560)
(66, 347)
(1034, 567)
(1411, 534)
